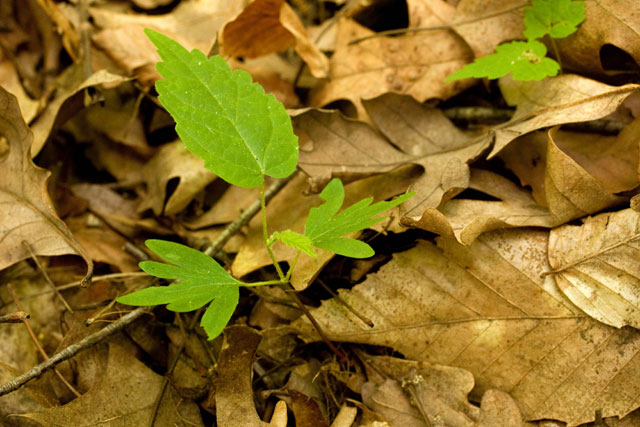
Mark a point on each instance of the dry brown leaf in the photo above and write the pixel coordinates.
(485, 308)
(70, 82)
(173, 161)
(227, 208)
(597, 266)
(346, 416)
(571, 192)
(499, 409)
(192, 23)
(608, 22)
(443, 150)
(10, 81)
(484, 24)
(465, 219)
(415, 64)
(553, 101)
(103, 406)
(234, 392)
(288, 210)
(27, 214)
(267, 26)
(406, 391)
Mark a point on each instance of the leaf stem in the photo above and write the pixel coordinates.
(263, 283)
(293, 265)
(265, 234)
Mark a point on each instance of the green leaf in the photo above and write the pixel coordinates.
(240, 132)
(558, 18)
(325, 227)
(201, 280)
(526, 60)
(295, 240)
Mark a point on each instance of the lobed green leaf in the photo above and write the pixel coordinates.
(240, 132)
(526, 60)
(325, 226)
(558, 18)
(295, 240)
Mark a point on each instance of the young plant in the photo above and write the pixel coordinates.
(243, 135)
(527, 60)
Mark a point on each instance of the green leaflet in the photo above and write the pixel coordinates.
(295, 240)
(526, 60)
(201, 280)
(558, 18)
(325, 227)
(240, 132)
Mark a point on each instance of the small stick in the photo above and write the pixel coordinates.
(44, 354)
(72, 350)
(46, 276)
(15, 317)
(337, 297)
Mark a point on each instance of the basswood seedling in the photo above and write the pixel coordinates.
(243, 135)
(528, 60)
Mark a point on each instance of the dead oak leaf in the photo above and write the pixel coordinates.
(27, 215)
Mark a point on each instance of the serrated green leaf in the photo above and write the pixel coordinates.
(558, 18)
(325, 226)
(240, 132)
(295, 240)
(526, 60)
(201, 280)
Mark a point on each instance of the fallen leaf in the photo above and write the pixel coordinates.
(10, 81)
(485, 308)
(227, 208)
(415, 64)
(596, 266)
(234, 392)
(27, 213)
(484, 24)
(465, 219)
(268, 26)
(499, 409)
(70, 82)
(583, 50)
(553, 101)
(133, 380)
(173, 162)
(571, 192)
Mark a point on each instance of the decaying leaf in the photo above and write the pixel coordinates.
(27, 216)
(124, 395)
(485, 308)
(553, 101)
(597, 266)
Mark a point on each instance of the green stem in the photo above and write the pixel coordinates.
(264, 283)
(293, 265)
(265, 234)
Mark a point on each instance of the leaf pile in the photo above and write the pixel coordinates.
(505, 292)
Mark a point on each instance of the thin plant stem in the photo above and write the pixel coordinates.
(265, 234)
(293, 265)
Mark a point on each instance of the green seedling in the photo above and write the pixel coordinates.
(528, 60)
(243, 135)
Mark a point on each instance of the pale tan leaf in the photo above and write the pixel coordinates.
(173, 161)
(464, 219)
(571, 192)
(583, 50)
(499, 409)
(415, 64)
(553, 101)
(27, 215)
(597, 266)
(10, 81)
(485, 308)
(139, 384)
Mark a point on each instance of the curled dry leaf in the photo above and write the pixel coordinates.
(553, 101)
(415, 64)
(465, 219)
(268, 26)
(485, 308)
(173, 161)
(27, 215)
(596, 266)
(583, 50)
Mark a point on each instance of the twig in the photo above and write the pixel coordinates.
(15, 317)
(46, 276)
(215, 247)
(44, 354)
(337, 297)
(72, 350)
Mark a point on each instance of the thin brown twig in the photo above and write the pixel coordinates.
(338, 298)
(72, 350)
(35, 259)
(15, 317)
(35, 340)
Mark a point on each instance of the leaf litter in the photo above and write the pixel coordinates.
(504, 293)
